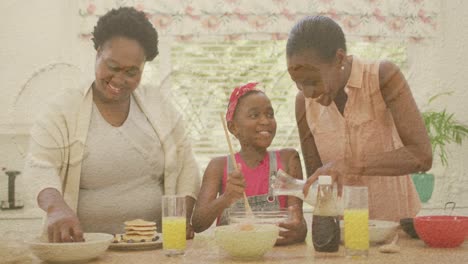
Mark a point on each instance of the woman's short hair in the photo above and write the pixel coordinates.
(130, 23)
(318, 33)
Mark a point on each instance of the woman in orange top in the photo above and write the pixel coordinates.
(357, 120)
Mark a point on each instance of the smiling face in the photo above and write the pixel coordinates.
(254, 121)
(315, 77)
(119, 65)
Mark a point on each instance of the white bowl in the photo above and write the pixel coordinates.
(95, 244)
(379, 231)
(247, 244)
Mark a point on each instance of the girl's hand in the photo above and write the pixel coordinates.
(296, 229)
(63, 225)
(235, 186)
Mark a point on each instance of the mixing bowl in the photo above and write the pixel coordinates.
(442, 231)
(247, 240)
(250, 235)
(407, 224)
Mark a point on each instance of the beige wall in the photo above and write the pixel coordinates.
(442, 66)
(35, 35)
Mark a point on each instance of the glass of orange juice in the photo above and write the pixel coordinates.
(174, 224)
(356, 221)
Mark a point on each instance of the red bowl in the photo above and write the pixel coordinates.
(442, 231)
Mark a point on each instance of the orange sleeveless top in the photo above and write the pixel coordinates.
(365, 128)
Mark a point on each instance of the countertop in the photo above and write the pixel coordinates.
(205, 251)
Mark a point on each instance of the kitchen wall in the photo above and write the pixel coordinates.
(41, 52)
(441, 66)
(38, 41)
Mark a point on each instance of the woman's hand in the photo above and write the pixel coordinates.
(235, 186)
(296, 229)
(339, 171)
(63, 224)
(190, 234)
(336, 169)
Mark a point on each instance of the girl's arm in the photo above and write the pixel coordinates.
(208, 205)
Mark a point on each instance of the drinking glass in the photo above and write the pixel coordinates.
(174, 224)
(356, 221)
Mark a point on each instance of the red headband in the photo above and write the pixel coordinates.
(234, 99)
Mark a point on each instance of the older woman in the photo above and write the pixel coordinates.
(357, 120)
(103, 155)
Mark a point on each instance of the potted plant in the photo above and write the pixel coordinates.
(443, 129)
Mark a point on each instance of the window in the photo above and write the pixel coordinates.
(203, 74)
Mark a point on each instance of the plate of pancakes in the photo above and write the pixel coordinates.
(139, 235)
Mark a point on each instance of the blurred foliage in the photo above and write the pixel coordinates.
(443, 129)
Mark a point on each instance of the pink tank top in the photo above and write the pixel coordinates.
(257, 179)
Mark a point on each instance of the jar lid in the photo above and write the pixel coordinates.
(325, 180)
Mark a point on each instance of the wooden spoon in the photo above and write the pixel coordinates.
(248, 209)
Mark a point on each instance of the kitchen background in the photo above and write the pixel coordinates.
(46, 46)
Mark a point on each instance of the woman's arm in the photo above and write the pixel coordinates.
(416, 153)
(296, 228)
(62, 223)
(47, 161)
(208, 206)
(309, 150)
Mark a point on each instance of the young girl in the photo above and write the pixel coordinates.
(250, 118)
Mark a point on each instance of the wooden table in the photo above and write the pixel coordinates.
(205, 251)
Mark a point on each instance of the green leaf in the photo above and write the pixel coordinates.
(443, 129)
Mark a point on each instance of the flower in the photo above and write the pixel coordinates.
(351, 22)
(378, 15)
(237, 12)
(397, 24)
(189, 11)
(332, 14)
(184, 38)
(285, 12)
(162, 21)
(140, 7)
(211, 22)
(279, 36)
(424, 18)
(91, 8)
(232, 37)
(258, 21)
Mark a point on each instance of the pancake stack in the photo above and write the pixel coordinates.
(139, 230)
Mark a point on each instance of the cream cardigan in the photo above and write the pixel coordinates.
(58, 138)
